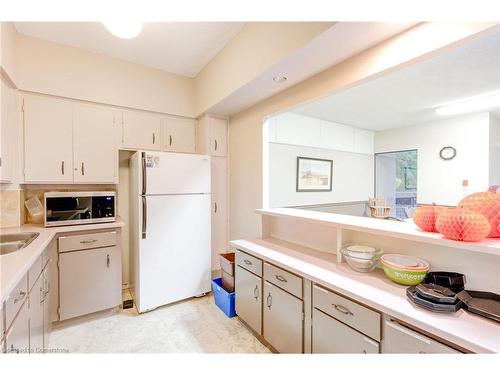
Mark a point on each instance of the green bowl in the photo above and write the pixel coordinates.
(405, 277)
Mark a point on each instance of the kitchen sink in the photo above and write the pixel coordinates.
(15, 241)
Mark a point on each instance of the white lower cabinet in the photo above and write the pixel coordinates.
(283, 323)
(36, 312)
(18, 336)
(248, 295)
(400, 339)
(331, 336)
(89, 281)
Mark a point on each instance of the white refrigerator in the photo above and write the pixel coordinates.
(170, 245)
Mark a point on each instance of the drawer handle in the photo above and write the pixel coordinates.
(107, 260)
(247, 262)
(269, 301)
(88, 241)
(280, 278)
(20, 296)
(342, 309)
(256, 292)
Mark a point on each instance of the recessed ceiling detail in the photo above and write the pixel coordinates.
(177, 47)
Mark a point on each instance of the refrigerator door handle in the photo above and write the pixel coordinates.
(144, 175)
(144, 216)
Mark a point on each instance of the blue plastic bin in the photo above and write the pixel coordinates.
(223, 299)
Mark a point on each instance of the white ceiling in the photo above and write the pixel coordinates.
(338, 43)
(410, 95)
(178, 47)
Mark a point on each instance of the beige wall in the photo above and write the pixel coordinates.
(254, 50)
(55, 69)
(245, 130)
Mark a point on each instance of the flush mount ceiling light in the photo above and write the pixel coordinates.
(124, 29)
(280, 78)
(473, 104)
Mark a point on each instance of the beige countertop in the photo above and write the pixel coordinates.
(470, 331)
(15, 265)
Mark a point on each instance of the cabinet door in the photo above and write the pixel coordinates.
(219, 209)
(331, 336)
(47, 305)
(336, 136)
(17, 340)
(95, 154)
(283, 324)
(48, 140)
(248, 296)
(141, 130)
(218, 137)
(295, 129)
(179, 135)
(89, 281)
(36, 310)
(8, 123)
(400, 339)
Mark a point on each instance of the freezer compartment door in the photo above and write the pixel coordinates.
(173, 173)
(174, 256)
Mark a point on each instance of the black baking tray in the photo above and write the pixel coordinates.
(413, 296)
(451, 280)
(486, 304)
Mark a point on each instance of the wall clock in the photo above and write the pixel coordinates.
(447, 153)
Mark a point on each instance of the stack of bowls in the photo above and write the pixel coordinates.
(361, 258)
(404, 269)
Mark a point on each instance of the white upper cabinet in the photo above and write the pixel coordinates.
(212, 136)
(95, 156)
(66, 142)
(363, 141)
(295, 129)
(179, 135)
(8, 124)
(337, 136)
(48, 140)
(141, 130)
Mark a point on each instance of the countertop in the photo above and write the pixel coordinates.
(15, 265)
(470, 331)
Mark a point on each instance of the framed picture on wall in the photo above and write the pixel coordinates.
(314, 174)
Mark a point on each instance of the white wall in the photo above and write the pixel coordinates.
(438, 180)
(8, 50)
(494, 150)
(352, 176)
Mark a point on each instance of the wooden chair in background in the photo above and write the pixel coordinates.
(379, 208)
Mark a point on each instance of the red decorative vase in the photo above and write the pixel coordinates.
(425, 217)
(460, 224)
(488, 204)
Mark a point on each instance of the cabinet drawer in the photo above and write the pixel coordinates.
(400, 339)
(35, 271)
(87, 241)
(284, 279)
(347, 311)
(331, 336)
(249, 262)
(16, 300)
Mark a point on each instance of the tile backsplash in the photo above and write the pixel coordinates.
(10, 208)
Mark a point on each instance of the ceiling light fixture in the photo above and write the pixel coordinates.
(124, 29)
(280, 78)
(473, 104)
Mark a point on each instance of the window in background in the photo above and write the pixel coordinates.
(396, 181)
